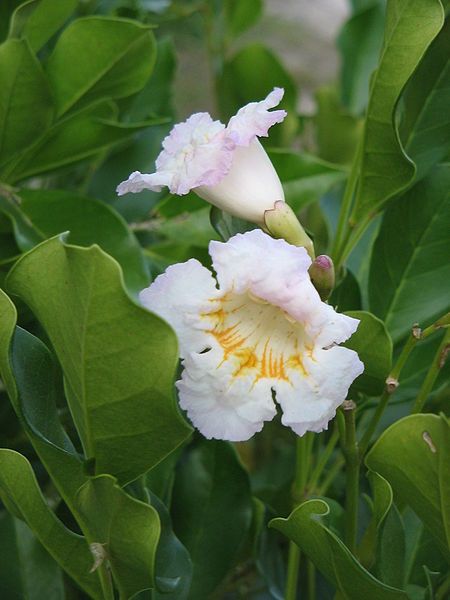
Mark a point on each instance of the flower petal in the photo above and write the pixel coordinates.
(221, 407)
(250, 187)
(137, 182)
(254, 119)
(311, 402)
(270, 269)
(180, 296)
(197, 152)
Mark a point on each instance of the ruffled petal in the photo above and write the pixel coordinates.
(180, 296)
(137, 182)
(254, 119)
(220, 406)
(197, 152)
(270, 269)
(310, 402)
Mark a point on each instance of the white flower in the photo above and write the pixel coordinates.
(227, 166)
(263, 329)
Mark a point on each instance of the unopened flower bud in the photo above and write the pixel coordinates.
(322, 275)
(281, 222)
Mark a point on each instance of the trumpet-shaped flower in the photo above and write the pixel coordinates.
(257, 335)
(227, 166)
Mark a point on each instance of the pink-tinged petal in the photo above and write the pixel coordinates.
(270, 269)
(222, 408)
(255, 119)
(196, 152)
(180, 296)
(137, 182)
(312, 400)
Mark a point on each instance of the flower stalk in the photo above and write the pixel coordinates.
(303, 460)
(392, 382)
(352, 462)
(433, 372)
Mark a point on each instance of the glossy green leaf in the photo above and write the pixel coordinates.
(307, 528)
(409, 278)
(118, 359)
(248, 77)
(414, 456)
(73, 139)
(241, 15)
(173, 563)
(380, 503)
(20, 491)
(37, 20)
(425, 127)
(89, 222)
(30, 376)
(411, 26)
(100, 57)
(7, 8)
(360, 41)
(209, 482)
(305, 178)
(26, 105)
(373, 344)
(128, 528)
(26, 568)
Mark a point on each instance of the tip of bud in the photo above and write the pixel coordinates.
(324, 262)
(281, 222)
(322, 275)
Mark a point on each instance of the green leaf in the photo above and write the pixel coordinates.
(411, 25)
(373, 344)
(248, 77)
(26, 568)
(360, 42)
(241, 15)
(208, 483)
(37, 20)
(305, 178)
(346, 295)
(306, 527)
(414, 456)
(89, 222)
(409, 279)
(73, 139)
(337, 131)
(25, 100)
(100, 57)
(425, 127)
(20, 491)
(30, 376)
(173, 563)
(118, 359)
(226, 225)
(128, 528)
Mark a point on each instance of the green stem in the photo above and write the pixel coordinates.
(324, 458)
(311, 575)
(303, 454)
(331, 476)
(106, 582)
(392, 383)
(352, 462)
(433, 372)
(346, 204)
